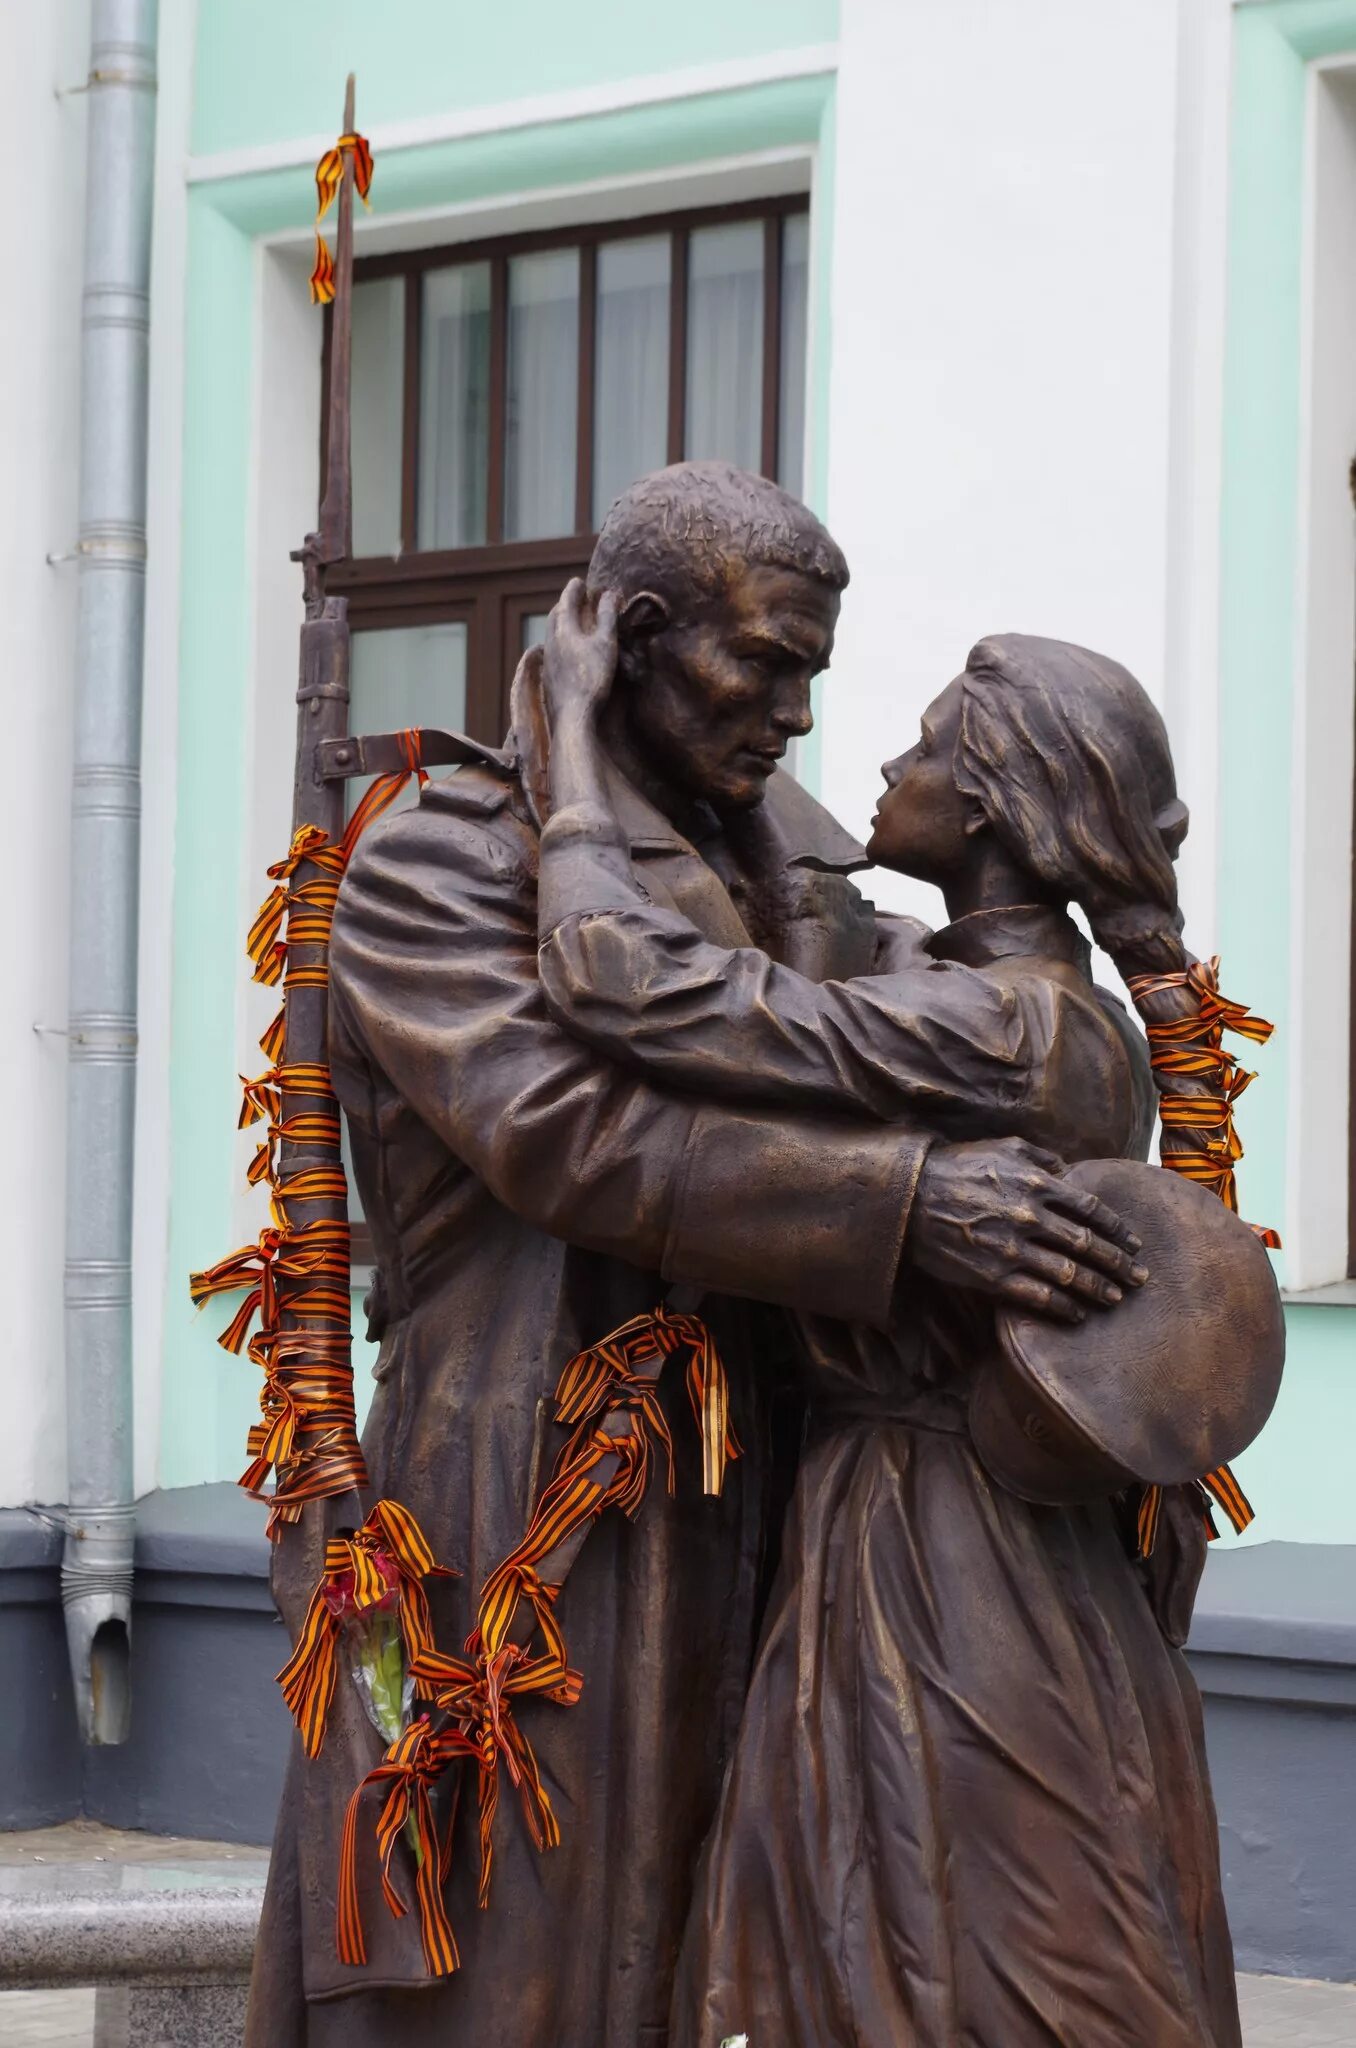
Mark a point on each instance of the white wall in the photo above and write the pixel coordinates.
(160, 717)
(44, 162)
(43, 172)
(1001, 436)
(1316, 1181)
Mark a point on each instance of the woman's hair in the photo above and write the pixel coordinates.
(1070, 763)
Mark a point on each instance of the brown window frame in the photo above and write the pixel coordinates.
(494, 586)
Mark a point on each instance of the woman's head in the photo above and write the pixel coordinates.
(1056, 757)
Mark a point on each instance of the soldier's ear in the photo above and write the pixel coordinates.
(643, 615)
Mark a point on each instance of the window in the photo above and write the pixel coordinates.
(504, 393)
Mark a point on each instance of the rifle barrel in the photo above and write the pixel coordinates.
(336, 510)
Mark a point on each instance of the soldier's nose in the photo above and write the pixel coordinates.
(794, 718)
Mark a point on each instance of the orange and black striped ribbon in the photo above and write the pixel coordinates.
(307, 1435)
(615, 1378)
(308, 1431)
(389, 1536)
(1220, 1487)
(263, 1095)
(1202, 1145)
(411, 1768)
(305, 1128)
(329, 173)
(478, 1697)
(623, 1371)
(611, 1382)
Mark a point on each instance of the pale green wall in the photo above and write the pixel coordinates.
(256, 86)
(268, 69)
(1296, 1474)
(260, 81)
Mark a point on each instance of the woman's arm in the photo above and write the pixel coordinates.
(640, 983)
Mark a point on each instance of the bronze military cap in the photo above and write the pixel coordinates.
(1175, 1380)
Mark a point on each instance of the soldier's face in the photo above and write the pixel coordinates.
(720, 688)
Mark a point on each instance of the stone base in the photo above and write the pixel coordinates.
(170, 2016)
(1273, 1647)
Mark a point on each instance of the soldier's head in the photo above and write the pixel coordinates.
(729, 593)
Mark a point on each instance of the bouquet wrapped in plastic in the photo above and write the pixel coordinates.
(370, 1603)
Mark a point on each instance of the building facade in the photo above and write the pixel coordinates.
(1050, 310)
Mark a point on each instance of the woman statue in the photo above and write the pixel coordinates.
(969, 1802)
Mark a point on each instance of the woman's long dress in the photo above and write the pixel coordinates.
(969, 1805)
(969, 1802)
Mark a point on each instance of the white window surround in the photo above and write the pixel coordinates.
(1325, 665)
(285, 466)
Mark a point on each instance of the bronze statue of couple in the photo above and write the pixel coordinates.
(892, 1744)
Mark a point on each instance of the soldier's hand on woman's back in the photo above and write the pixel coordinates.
(995, 1216)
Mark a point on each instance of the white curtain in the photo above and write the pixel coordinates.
(543, 394)
(795, 300)
(454, 407)
(725, 344)
(378, 413)
(631, 381)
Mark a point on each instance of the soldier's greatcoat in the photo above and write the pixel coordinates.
(526, 1196)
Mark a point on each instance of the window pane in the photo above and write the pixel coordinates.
(408, 675)
(631, 377)
(543, 394)
(378, 413)
(534, 629)
(725, 343)
(454, 407)
(795, 299)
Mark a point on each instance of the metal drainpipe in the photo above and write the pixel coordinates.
(96, 1569)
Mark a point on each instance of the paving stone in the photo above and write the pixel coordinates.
(1290, 2012)
(1278, 2012)
(47, 2019)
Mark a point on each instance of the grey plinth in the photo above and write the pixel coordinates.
(170, 2016)
(121, 1937)
(163, 1930)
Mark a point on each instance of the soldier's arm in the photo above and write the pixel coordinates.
(642, 985)
(930, 1039)
(434, 962)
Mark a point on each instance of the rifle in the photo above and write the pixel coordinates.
(309, 1362)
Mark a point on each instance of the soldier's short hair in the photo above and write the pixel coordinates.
(687, 529)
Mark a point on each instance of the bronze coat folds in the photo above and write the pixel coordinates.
(526, 1195)
(969, 1801)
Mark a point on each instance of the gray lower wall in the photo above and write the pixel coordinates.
(209, 1729)
(1274, 1652)
(1273, 1649)
(39, 1742)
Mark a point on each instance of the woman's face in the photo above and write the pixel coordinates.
(920, 822)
